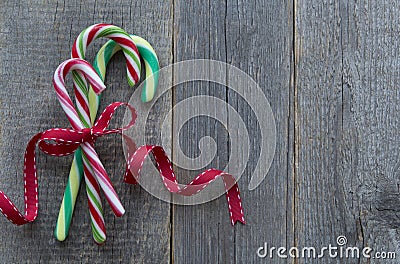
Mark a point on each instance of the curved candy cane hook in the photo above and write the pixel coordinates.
(119, 36)
(150, 61)
(124, 42)
(62, 94)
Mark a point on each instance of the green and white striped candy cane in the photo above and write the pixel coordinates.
(151, 64)
(103, 57)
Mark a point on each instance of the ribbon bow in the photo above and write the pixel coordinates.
(67, 140)
(64, 141)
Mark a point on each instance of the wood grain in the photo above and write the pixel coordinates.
(346, 125)
(234, 32)
(330, 72)
(201, 233)
(35, 37)
(260, 42)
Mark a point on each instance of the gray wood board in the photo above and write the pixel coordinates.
(201, 233)
(347, 123)
(329, 71)
(259, 42)
(233, 33)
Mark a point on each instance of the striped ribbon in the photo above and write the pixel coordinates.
(80, 139)
(164, 166)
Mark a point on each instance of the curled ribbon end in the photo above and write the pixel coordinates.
(128, 177)
(130, 180)
(238, 220)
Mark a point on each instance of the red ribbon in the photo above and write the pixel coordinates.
(164, 166)
(56, 142)
(62, 142)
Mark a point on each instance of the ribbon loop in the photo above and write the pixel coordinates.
(104, 119)
(59, 142)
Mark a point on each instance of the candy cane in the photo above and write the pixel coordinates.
(102, 58)
(94, 171)
(82, 101)
(118, 35)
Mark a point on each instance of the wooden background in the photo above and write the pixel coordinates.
(330, 70)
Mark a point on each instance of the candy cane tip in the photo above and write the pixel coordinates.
(146, 97)
(61, 238)
(131, 82)
(102, 88)
(98, 88)
(100, 242)
(120, 213)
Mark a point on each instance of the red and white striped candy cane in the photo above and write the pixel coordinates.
(119, 36)
(82, 94)
(81, 43)
(99, 172)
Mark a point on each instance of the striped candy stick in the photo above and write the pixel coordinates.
(150, 61)
(93, 168)
(81, 94)
(119, 36)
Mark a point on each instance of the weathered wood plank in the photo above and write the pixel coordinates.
(347, 125)
(259, 40)
(370, 83)
(235, 33)
(201, 233)
(35, 37)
